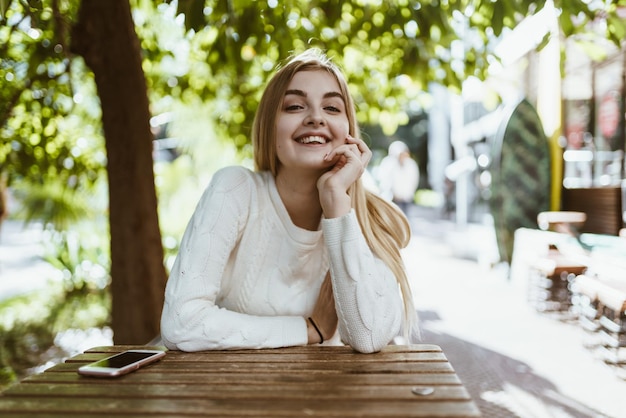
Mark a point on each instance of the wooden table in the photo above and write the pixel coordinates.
(289, 382)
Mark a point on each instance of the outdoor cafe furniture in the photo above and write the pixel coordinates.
(399, 381)
(600, 301)
(583, 278)
(550, 280)
(568, 222)
(548, 259)
(602, 306)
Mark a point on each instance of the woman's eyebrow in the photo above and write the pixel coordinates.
(296, 92)
(333, 94)
(303, 93)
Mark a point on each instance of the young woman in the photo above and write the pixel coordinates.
(296, 252)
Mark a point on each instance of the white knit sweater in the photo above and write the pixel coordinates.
(246, 276)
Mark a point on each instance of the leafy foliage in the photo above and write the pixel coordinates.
(49, 133)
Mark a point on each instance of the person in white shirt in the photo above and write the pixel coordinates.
(295, 252)
(398, 176)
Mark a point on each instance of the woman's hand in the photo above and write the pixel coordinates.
(349, 162)
(324, 314)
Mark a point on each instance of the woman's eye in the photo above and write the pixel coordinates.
(332, 109)
(293, 107)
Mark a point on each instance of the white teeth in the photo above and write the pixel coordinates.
(312, 139)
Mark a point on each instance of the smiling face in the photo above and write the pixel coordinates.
(311, 121)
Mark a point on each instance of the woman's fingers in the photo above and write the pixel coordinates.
(349, 161)
(354, 151)
(361, 149)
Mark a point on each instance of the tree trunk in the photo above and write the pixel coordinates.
(105, 36)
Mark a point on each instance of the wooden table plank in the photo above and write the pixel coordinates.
(330, 391)
(253, 408)
(325, 367)
(247, 378)
(270, 357)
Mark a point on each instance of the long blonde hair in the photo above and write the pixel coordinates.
(385, 227)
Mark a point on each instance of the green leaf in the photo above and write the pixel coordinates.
(194, 13)
(4, 6)
(565, 21)
(617, 28)
(497, 22)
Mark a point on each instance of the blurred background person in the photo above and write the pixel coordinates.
(398, 176)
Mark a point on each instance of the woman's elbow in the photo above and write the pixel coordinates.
(369, 344)
(367, 349)
(172, 332)
(375, 342)
(174, 340)
(169, 337)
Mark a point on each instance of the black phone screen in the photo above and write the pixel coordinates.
(122, 359)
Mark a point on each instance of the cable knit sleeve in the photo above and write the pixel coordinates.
(191, 319)
(367, 297)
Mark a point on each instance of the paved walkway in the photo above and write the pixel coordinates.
(514, 361)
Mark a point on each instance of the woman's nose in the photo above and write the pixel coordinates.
(314, 118)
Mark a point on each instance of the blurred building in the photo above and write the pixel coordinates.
(581, 111)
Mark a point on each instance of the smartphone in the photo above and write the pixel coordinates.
(122, 363)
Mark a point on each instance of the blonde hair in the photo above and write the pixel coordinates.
(385, 227)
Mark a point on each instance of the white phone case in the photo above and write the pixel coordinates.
(121, 363)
